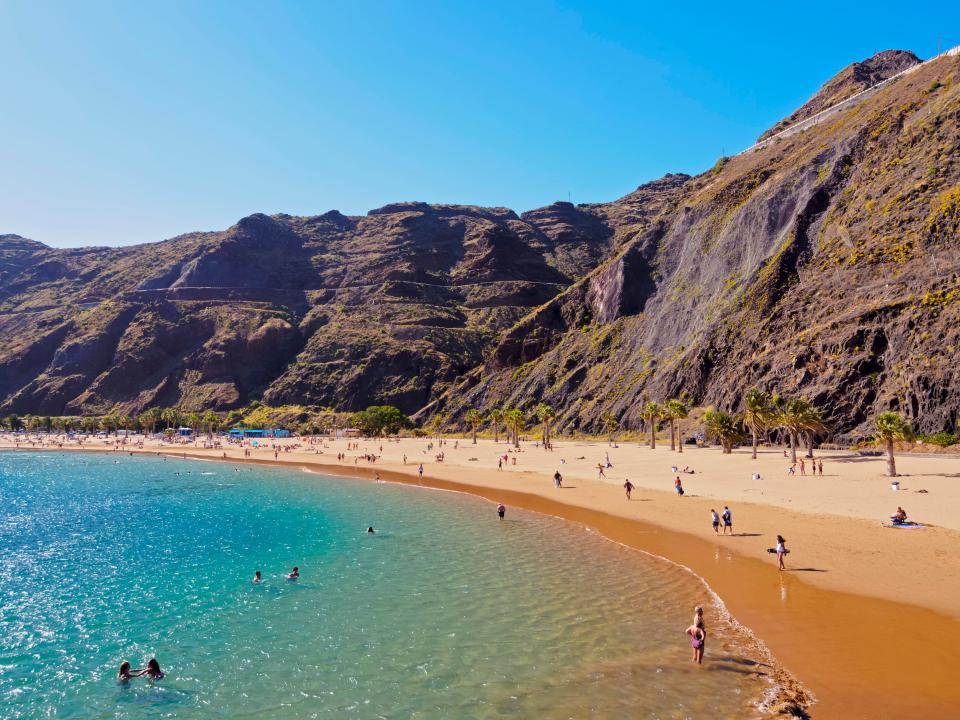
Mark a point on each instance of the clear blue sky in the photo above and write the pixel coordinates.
(136, 121)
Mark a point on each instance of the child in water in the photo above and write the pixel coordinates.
(294, 574)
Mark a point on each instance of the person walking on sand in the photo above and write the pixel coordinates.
(678, 486)
(501, 510)
(781, 550)
(420, 471)
(499, 463)
(803, 467)
(715, 519)
(600, 474)
(820, 467)
(558, 479)
(628, 486)
(727, 520)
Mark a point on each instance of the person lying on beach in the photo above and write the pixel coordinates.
(900, 516)
(294, 574)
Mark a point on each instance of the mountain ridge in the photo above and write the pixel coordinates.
(690, 283)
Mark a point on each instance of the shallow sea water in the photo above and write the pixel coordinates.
(445, 612)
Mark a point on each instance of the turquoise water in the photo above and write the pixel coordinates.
(446, 612)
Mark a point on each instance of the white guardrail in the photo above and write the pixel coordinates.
(852, 100)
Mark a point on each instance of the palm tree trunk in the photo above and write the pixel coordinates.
(809, 444)
(679, 437)
(474, 434)
(653, 435)
(891, 463)
(793, 446)
(673, 434)
(753, 431)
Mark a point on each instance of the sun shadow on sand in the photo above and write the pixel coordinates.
(715, 667)
(741, 661)
(806, 570)
(746, 535)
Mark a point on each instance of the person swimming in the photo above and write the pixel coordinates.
(257, 577)
(125, 675)
(371, 530)
(294, 574)
(153, 670)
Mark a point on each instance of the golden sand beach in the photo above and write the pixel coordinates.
(866, 617)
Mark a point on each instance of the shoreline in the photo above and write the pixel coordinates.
(860, 656)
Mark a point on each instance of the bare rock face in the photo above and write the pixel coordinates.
(824, 263)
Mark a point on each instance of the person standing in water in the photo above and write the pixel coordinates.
(628, 486)
(152, 670)
(698, 636)
(125, 675)
(501, 510)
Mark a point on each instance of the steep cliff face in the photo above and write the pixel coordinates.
(823, 263)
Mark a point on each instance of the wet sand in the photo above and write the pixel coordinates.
(862, 654)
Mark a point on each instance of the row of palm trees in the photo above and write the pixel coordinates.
(513, 421)
(673, 411)
(148, 421)
(765, 412)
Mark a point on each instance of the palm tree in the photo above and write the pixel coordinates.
(495, 416)
(611, 425)
(890, 428)
(436, 423)
(211, 421)
(797, 415)
(514, 420)
(650, 412)
(675, 410)
(473, 417)
(171, 417)
(545, 414)
(758, 413)
(725, 427)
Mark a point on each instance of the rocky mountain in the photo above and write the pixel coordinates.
(823, 263)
